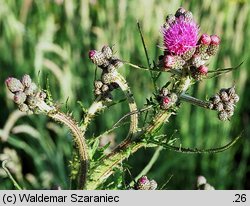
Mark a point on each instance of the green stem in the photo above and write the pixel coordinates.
(97, 106)
(77, 134)
(105, 168)
(194, 101)
(119, 79)
(150, 163)
(10, 175)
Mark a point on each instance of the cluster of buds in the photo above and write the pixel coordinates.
(202, 184)
(167, 99)
(104, 89)
(26, 93)
(182, 46)
(207, 46)
(105, 59)
(109, 64)
(224, 102)
(144, 183)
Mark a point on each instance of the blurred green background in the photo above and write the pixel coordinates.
(51, 39)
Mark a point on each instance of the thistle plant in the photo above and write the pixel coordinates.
(185, 56)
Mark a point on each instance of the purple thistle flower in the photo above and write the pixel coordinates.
(180, 36)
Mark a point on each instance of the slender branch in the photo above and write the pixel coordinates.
(131, 113)
(150, 163)
(144, 45)
(173, 71)
(194, 101)
(196, 150)
(10, 175)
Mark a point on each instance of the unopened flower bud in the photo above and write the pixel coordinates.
(143, 183)
(164, 91)
(31, 89)
(98, 84)
(211, 105)
(223, 116)
(188, 16)
(14, 85)
(230, 113)
(168, 61)
(26, 80)
(229, 106)
(105, 88)
(19, 97)
(97, 57)
(197, 60)
(208, 187)
(180, 12)
(224, 96)
(170, 19)
(166, 102)
(201, 180)
(23, 107)
(92, 53)
(215, 40)
(153, 185)
(231, 91)
(173, 98)
(236, 98)
(216, 99)
(143, 180)
(205, 39)
(107, 52)
(107, 78)
(97, 92)
(214, 45)
(203, 70)
(219, 106)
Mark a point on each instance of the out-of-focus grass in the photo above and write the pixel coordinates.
(51, 39)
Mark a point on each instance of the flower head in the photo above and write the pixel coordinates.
(181, 35)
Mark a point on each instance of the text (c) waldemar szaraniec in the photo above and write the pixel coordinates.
(65, 198)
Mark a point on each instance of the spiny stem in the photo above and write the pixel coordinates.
(131, 102)
(105, 168)
(96, 107)
(77, 135)
(80, 142)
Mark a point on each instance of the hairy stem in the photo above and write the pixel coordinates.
(105, 168)
(97, 106)
(129, 146)
(77, 135)
(131, 102)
